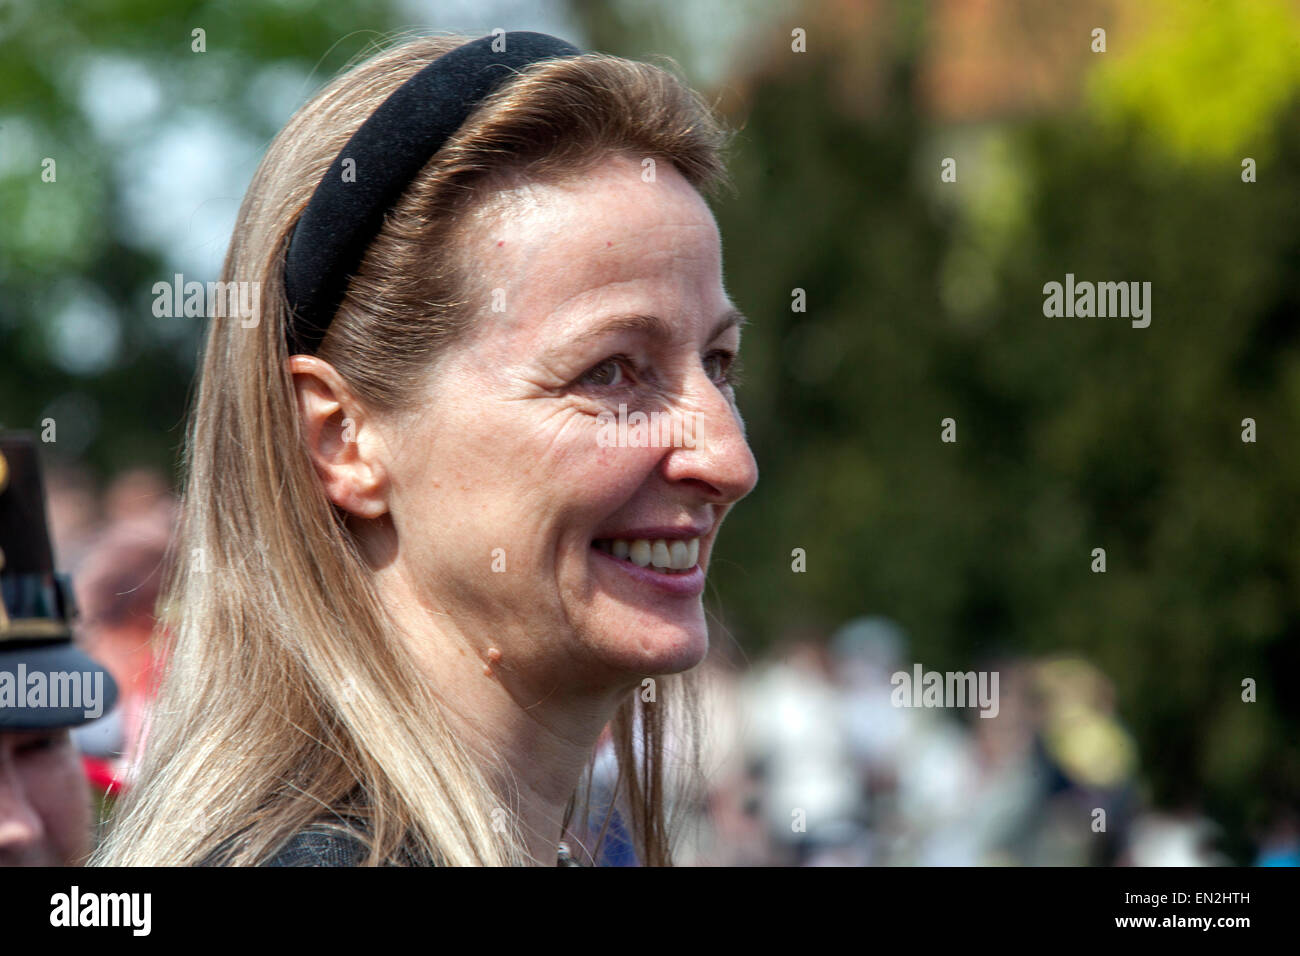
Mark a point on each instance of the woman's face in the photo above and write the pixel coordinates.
(522, 516)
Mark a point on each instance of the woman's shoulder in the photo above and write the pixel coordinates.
(322, 844)
(338, 841)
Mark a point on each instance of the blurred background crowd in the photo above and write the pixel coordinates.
(807, 759)
(114, 544)
(1120, 691)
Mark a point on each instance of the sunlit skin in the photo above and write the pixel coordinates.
(502, 452)
(45, 806)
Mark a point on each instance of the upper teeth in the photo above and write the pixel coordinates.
(670, 554)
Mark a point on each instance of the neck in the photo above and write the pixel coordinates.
(533, 735)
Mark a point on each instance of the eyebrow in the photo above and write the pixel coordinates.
(649, 325)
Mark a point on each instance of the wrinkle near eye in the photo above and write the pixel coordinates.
(534, 382)
(555, 430)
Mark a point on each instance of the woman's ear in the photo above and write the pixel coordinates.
(341, 438)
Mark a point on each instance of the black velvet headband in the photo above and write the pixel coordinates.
(391, 146)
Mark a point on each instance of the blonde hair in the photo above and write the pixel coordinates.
(286, 696)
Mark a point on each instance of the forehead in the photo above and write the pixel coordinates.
(607, 241)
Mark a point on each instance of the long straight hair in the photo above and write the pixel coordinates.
(286, 695)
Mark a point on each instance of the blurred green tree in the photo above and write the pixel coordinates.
(118, 94)
(1073, 433)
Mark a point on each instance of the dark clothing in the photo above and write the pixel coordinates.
(320, 845)
(336, 842)
(326, 844)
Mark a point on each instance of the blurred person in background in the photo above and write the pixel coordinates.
(1010, 776)
(866, 652)
(727, 828)
(1089, 765)
(119, 584)
(794, 733)
(915, 770)
(75, 513)
(46, 816)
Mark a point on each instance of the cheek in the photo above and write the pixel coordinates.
(618, 472)
(62, 797)
(519, 479)
(569, 476)
(593, 486)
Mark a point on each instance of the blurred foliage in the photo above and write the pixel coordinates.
(75, 272)
(1208, 77)
(924, 302)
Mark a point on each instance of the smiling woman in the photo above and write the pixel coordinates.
(413, 586)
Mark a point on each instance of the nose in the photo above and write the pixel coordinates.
(20, 824)
(714, 453)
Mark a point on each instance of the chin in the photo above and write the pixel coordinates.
(675, 651)
(647, 648)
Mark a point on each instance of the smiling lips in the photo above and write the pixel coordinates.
(673, 555)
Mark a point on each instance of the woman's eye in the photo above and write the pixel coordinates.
(610, 373)
(720, 367)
